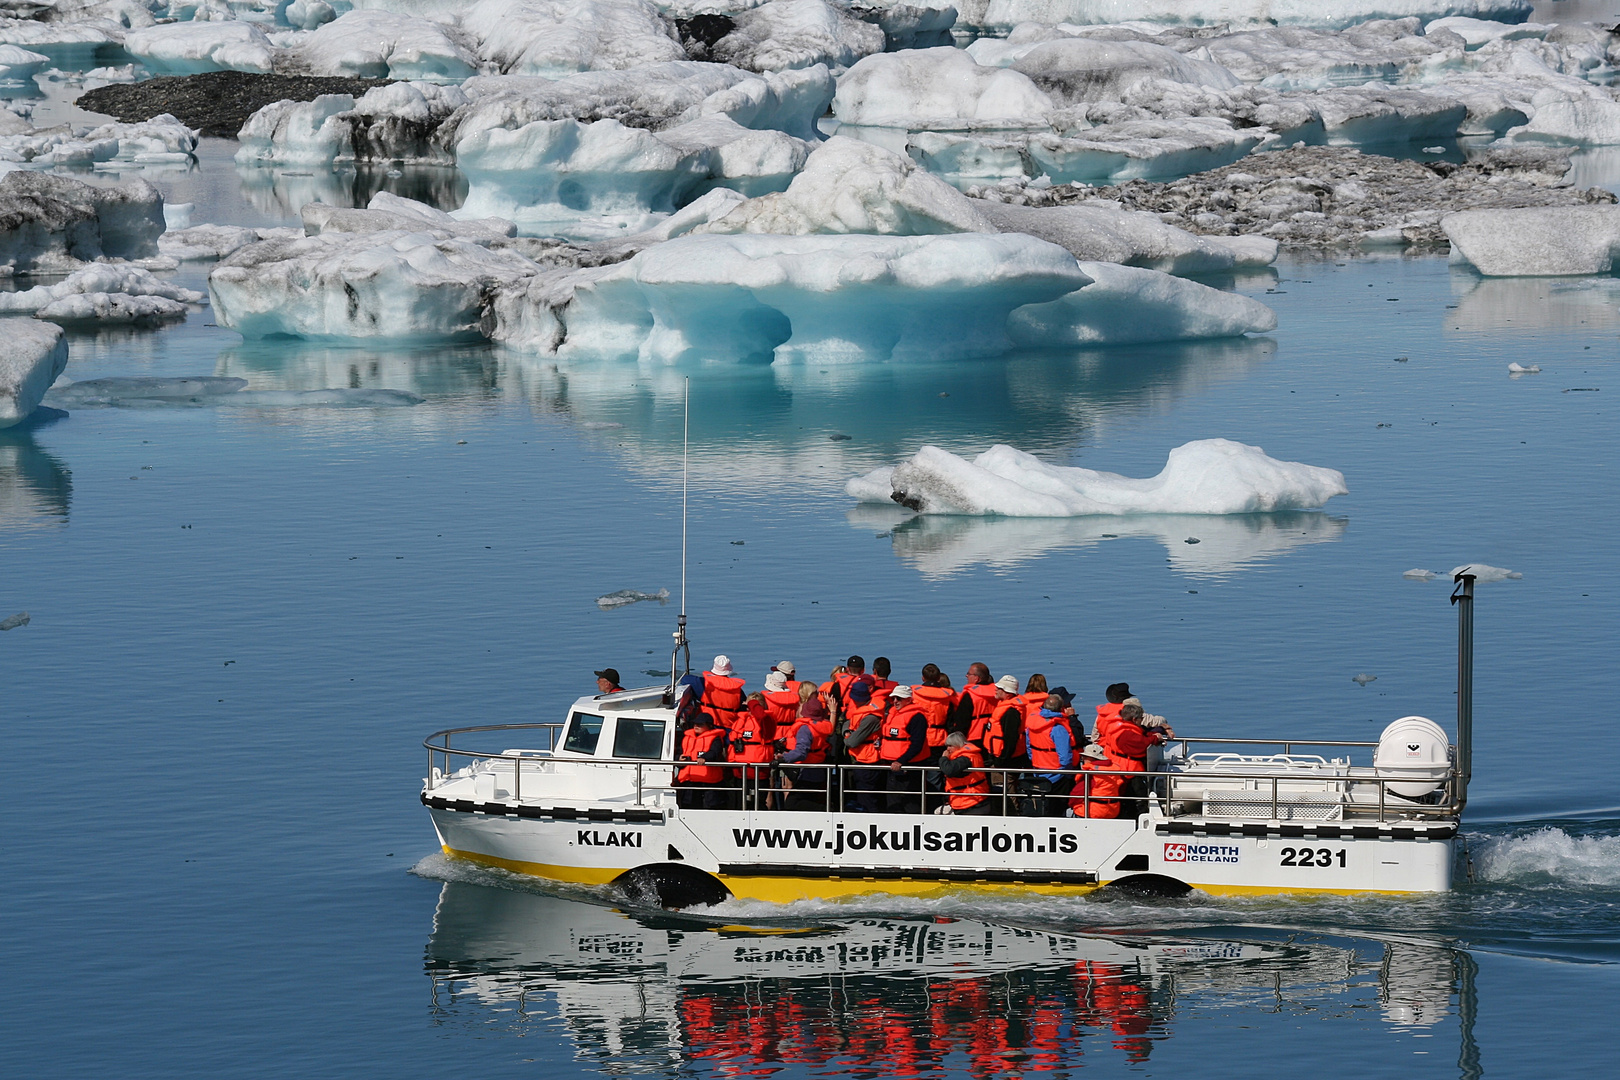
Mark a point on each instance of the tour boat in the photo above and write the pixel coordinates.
(591, 801)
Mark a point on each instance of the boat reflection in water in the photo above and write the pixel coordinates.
(899, 996)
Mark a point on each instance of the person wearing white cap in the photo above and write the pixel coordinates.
(904, 734)
(781, 703)
(722, 693)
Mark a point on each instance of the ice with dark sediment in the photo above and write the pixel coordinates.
(1209, 476)
(630, 596)
(55, 224)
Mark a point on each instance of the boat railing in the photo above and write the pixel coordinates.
(1263, 791)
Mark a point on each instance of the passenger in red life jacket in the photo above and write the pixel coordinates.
(808, 742)
(607, 681)
(781, 703)
(1129, 740)
(789, 673)
(722, 693)
(904, 733)
(967, 785)
(1096, 796)
(881, 683)
(1001, 734)
(866, 785)
(978, 700)
(751, 737)
(702, 787)
(1108, 715)
(1049, 746)
(937, 699)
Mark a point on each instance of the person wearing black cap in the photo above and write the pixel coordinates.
(607, 681)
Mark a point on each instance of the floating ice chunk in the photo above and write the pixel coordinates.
(923, 25)
(1592, 120)
(112, 308)
(1127, 305)
(1421, 575)
(1210, 476)
(938, 89)
(1002, 15)
(53, 223)
(393, 123)
(299, 132)
(630, 596)
(215, 241)
(822, 298)
(1477, 32)
(1130, 237)
(12, 622)
(1143, 149)
(1078, 70)
(337, 397)
(363, 285)
(18, 65)
(381, 44)
(387, 212)
(32, 356)
(1540, 241)
(193, 47)
(782, 34)
(876, 486)
(94, 393)
(1484, 573)
(176, 216)
(557, 37)
(1374, 114)
(100, 278)
(1363, 679)
(848, 186)
(1517, 369)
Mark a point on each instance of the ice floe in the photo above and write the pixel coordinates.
(202, 242)
(191, 47)
(782, 34)
(552, 38)
(1103, 233)
(214, 392)
(1209, 476)
(1002, 15)
(630, 596)
(1127, 305)
(395, 123)
(382, 44)
(55, 224)
(1542, 241)
(1482, 572)
(33, 355)
(392, 284)
(103, 292)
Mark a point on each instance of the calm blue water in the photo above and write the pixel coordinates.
(244, 621)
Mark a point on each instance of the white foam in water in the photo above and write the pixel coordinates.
(1550, 853)
(1209, 476)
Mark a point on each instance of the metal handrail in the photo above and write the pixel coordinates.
(751, 769)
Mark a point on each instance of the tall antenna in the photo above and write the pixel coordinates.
(676, 671)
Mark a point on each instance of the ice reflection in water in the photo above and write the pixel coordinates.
(901, 995)
(283, 192)
(1492, 305)
(35, 486)
(939, 546)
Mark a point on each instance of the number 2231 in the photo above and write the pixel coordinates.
(1311, 856)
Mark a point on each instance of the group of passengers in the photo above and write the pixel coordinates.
(862, 741)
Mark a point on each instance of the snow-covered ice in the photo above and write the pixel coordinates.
(104, 292)
(381, 44)
(1002, 15)
(1484, 573)
(1516, 369)
(54, 223)
(1209, 476)
(201, 242)
(396, 123)
(552, 38)
(939, 89)
(32, 356)
(19, 65)
(1540, 241)
(782, 34)
(192, 47)
(1099, 232)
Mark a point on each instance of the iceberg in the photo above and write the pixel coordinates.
(381, 44)
(55, 224)
(397, 123)
(939, 89)
(828, 299)
(1209, 476)
(1144, 149)
(386, 212)
(630, 596)
(1128, 305)
(201, 242)
(392, 284)
(32, 356)
(1103, 233)
(782, 34)
(103, 280)
(1540, 241)
(193, 47)
(19, 65)
(552, 38)
(1001, 16)
(1074, 70)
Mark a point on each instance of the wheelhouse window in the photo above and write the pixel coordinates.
(584, 730)
(638, 738)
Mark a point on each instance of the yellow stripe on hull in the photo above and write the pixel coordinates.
(573, 875)
(785, 890)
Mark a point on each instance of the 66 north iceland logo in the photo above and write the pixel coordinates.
(1201, 853)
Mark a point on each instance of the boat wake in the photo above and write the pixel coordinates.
(1549, 856)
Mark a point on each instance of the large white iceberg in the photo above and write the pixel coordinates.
(938, 89)
(194, 47)
(363, 285)
(32, 356)
(397, 123)
(1542, 241)
(1209, 476)
(381, 44)
(826, 299)
(1105, 233)
(558, 37)
(999, 16)
(782, 34)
